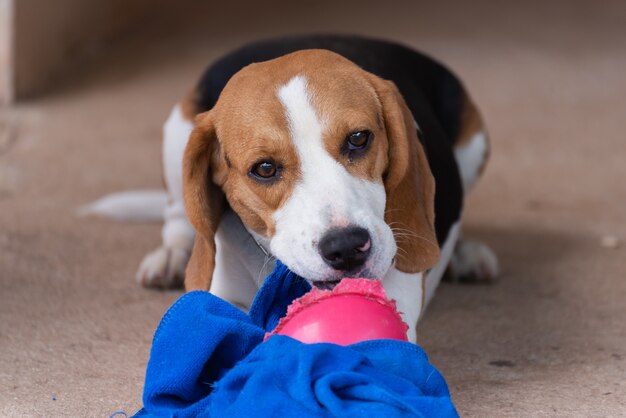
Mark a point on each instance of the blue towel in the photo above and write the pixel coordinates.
(208, 359)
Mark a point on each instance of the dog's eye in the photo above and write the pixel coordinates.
(359, 139)
(265, 170)
(357, 144)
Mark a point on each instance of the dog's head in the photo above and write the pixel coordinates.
(321, 162)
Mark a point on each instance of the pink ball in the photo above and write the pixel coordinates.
(355, 310)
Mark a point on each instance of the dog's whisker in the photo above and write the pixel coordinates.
(268, 258)
(402, 232)
(402, 257)
(401, 252)
(392, 210)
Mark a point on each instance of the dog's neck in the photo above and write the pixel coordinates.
(260, 241)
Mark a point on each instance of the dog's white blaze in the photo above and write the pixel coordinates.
(471, 157)
(327, 196)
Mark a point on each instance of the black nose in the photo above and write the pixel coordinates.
(345, 249)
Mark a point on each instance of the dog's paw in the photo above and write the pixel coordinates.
(472, 262)
(163, 268)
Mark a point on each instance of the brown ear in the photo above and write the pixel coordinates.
(204, 201)
(409, 183)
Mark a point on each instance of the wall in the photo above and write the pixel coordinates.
(6, 51)
(51, 37)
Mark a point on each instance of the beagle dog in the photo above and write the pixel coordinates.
(341, 156)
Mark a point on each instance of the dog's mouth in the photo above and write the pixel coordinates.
(330, 282)
(326, 284)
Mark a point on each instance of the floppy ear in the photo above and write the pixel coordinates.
(204, 201)
(409, 184)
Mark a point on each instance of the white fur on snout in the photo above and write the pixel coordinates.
(326, 196)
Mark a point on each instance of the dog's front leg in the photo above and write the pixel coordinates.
(408, 291)
(165, 266)
(240, 264)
